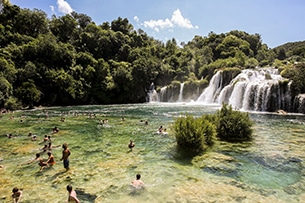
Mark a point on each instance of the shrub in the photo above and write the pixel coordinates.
(233, 126)
(12, 104)
(194, 135)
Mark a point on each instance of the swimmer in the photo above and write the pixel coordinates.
(51, 159)
(45, 139)
(72, 195)
(55, 129)
(42, 164)
(17, 195)
(164, 131)
(37, 158)
(131, 145)
(34, 138)
(160, 129)
(45, 148)
(50, 147)
(10, 135)
(137, 183)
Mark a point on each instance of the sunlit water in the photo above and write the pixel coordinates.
(269, 169)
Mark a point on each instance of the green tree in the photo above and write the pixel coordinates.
(82, 19)
(31, 23)
(103, 84)
(121, 25)
(194, 135)
(231, 45)
(298, 84)
(6, 90)
(7, 70)
(233, 126)
(63, 27)
(28, 93)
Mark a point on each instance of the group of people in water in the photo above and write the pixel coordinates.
(49, 162)
(136, 184)
(72, 196)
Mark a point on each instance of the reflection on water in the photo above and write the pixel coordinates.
(269, 169)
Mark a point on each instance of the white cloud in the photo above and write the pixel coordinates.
(179, 20)
(64, 7)
(157, 24)
(176, 20)
(52, 9)
(136, 18)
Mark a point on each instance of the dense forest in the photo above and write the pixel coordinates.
(70, 60)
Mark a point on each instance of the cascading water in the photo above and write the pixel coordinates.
(212, 91)
(258, 90)
(180, 97)
(152, 93)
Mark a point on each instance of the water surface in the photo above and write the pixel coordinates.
(269, 169)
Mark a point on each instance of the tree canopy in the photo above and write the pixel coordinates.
(71, 60)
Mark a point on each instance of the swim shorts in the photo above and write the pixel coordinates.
(66, 163)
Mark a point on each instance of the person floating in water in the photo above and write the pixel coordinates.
(65, 156)
(131, 145)
(10, 135)
(34, 138)
(17, 195)
(72, 195)
(45, 148)
(137, 183)
(37, 158)
(46, 138)
(160, 129)
(55, 129)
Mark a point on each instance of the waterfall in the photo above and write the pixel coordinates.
(163, 94)
(153, 96)
(260, 89)
(211, 92)
(180, 97)
(255, 89)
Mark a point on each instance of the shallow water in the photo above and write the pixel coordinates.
(269, 169)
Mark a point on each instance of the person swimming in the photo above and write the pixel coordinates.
(72, 194)
(137, 183)
(131, 145)
(17, 195)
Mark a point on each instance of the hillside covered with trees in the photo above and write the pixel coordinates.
(70, 60)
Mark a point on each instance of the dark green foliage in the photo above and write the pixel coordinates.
(28, 93)
(290, 50)
(298, 84)
(12, 104)
(71, 60)
(233, 126)
(194, 135)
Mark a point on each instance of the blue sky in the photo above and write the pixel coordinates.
(277, 21)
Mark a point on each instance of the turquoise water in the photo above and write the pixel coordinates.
(269, 169)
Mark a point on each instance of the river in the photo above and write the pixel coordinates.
(268, 169)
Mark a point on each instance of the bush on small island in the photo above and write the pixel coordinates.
(232, 125)
(196, 135)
